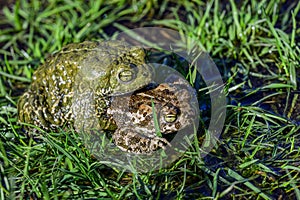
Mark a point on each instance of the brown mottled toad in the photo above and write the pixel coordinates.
(134, 116)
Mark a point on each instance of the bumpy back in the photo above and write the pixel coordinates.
(102, 69)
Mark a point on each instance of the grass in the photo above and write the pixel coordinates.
(255, 45)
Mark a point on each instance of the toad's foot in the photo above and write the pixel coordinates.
(128, 139)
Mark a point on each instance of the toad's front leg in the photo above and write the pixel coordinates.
(128, 139)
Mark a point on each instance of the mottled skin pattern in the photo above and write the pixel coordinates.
(136, 130)
(74, 86)
(84, 84)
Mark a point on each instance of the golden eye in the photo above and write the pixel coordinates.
(170, 118)
(126, 75)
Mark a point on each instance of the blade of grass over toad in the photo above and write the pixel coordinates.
(156, 124)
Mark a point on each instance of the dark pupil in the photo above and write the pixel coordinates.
(132, 66)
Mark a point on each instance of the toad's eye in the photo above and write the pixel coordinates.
(126, 75)
(169, 118)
